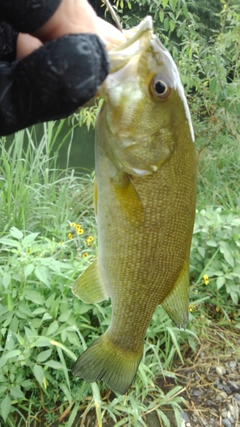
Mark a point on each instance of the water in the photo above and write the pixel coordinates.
(81, 156)
(79, 139)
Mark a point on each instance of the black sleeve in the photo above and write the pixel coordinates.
(52, 82)
(27, 15)
(8, 41)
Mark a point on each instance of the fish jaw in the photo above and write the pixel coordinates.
(135, 119)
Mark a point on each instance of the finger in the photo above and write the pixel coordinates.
(26, 44)
(72, 16)
(78, 16)
(109, 34)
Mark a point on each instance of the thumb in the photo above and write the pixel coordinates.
(26, 44)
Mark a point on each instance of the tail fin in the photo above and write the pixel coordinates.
(103, 360)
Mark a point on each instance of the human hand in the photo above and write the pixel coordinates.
(58, 69)
(71, 17)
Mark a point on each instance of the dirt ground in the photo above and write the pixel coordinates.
(210, 380)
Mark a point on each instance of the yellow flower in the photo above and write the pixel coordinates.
(70, 236)
(80, 230)
(89, 240)
(206, 279)
(61, 243)
(72, 224)
(78, 226)
(85, 255)
(190, 308)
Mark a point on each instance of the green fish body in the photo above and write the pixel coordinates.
(145, 195)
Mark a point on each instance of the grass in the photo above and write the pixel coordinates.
(218, 172)
(47, 219)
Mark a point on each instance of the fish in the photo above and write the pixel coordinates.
(144, 197)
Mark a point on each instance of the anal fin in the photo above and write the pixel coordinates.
(89, 287)
(176, 302)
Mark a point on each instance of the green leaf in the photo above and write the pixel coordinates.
(27, 384)
(42, 274)
(20, 339)
(227, 254)
(73, 338)
(234, 297)
(16, 233)
(28, 270)
(172, 25)
(211, 243)
(5, 407)
(46, 316)
(9, 355)
(9, 242)
(38, 373)
(39, 310)
(185, 9)
(84, 308)
(166, 24)
(41, 342)
(161, 15)
(6, 280)
(3, 388)
(201, 251)
(173, 4)
(33, 296)
(44, 355)
(16, 392)
(28, 240)
(213, 86)
(52, 328)
(65, 316)
(24, 309)
(220, 281)
(54, 364)
(50, 300)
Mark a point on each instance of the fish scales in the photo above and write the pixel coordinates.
(145, 204)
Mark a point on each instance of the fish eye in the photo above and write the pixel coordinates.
(159, 87)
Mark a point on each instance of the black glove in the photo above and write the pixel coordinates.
(53, 81)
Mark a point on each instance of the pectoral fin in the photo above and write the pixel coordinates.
(176, 303)
(129, 200)
(89, 287)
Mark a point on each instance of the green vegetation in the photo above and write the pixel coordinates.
(48, 236)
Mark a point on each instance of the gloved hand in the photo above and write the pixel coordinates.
(61, 75)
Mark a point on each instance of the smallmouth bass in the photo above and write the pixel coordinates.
(144, 194)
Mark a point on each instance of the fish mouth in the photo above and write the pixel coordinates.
(137, 41)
